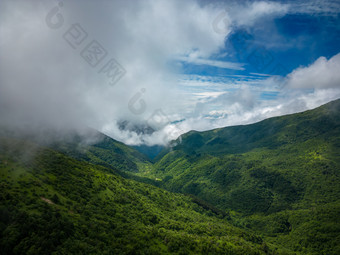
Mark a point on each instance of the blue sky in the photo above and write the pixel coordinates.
(281, 43)
(264, 48)
(173, 65)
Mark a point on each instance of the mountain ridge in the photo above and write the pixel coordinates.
(265, 174)
(270, 121)
(271, 187)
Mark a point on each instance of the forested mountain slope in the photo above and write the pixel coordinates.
(280, 177)
(267, 188)
(51, 203)
(88, 145)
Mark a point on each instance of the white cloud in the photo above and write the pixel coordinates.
(45, 82)
(249, 13)
(315, 7)
(322, 73)
(239, 109)
(215, 63)
(242, 105)
(208, 94)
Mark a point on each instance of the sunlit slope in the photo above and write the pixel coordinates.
(281, 175)
(51, 203)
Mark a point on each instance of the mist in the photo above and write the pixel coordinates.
(70, 66)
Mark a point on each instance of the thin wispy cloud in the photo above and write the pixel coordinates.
(214, 63)
(315, 7)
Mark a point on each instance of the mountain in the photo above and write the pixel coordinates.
(279, 177)
(272, 187)
(88, 145)
(51, 203)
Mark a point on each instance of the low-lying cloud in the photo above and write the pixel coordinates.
(49, 81)
(46, 81)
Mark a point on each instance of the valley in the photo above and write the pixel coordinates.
(267, 188)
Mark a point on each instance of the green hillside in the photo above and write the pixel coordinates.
(89, 146)
(279, 177)
(51, 203)
(104, 151)
(272, 187)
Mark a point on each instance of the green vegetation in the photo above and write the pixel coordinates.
(51, 203)
(103, 151)
(279, 177)
(272, 187)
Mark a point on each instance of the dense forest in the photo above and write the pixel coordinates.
(267, 188)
